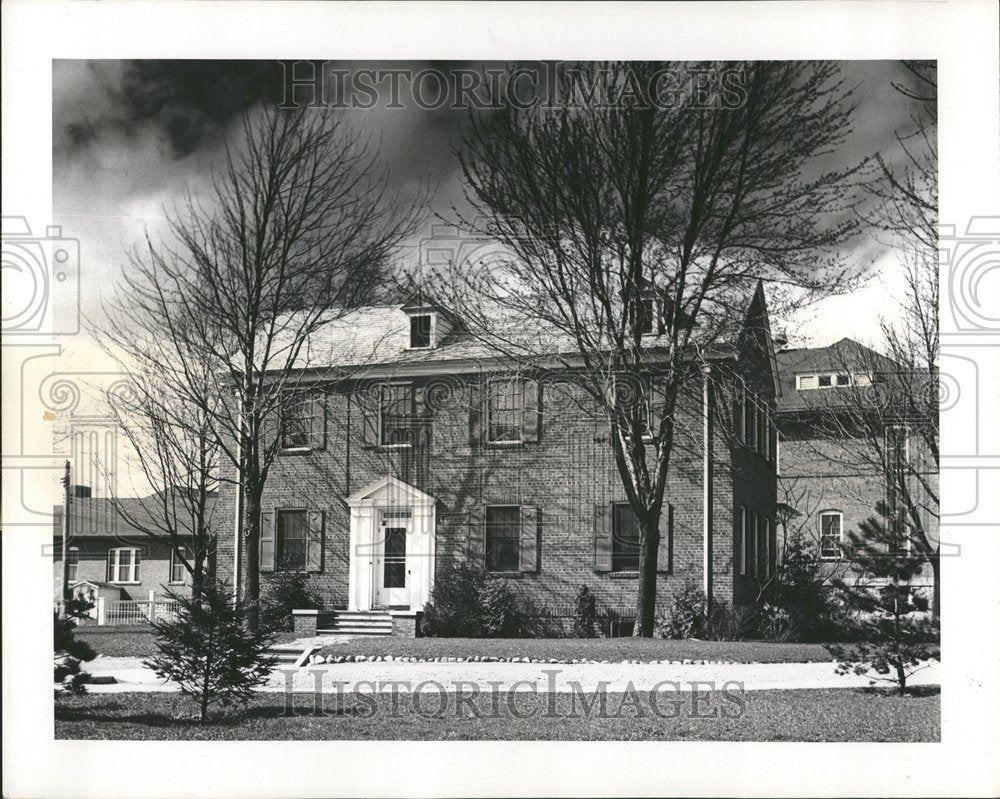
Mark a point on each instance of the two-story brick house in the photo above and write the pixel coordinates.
(830, 478)
(411, 447)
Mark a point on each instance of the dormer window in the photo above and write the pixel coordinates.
(804, 382)
(420, 331)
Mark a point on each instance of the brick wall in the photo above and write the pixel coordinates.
(564, 474)
(154, 566)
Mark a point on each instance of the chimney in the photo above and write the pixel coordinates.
(780, 340)
(81, 492)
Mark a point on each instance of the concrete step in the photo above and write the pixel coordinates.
(354, 622)
(349, 630)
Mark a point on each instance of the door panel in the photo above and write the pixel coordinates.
(391, 573)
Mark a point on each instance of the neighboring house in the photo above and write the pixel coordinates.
(827, 480)
(111, 557)
(411, 448)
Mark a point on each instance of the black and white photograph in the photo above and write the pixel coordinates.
(359, 402)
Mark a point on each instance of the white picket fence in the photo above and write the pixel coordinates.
(132, 611)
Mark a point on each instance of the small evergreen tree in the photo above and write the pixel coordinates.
(465, 603)
(286, 591)
(797, 603)
(209, 651)
(894, 636)
(69, 652)
(585, 614)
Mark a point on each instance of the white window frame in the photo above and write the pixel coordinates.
(840, 535)
(72, 562)
(431, 336)
(381, 414)
(489, 424)
(175, 561)
(114, 555)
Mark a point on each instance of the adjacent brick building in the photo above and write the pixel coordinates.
(410, 448)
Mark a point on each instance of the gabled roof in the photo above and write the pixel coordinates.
(846, 354)
(391, 490)
(98, 517)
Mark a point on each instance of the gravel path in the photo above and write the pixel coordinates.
(131, 675)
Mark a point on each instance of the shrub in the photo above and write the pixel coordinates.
(585, 614)
(68, 652)
(465, 603)
(688, 615)
(208, 650)
(284, 592)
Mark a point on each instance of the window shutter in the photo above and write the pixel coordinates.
(476, 545)
(657, 405)
(532, 398)
(369, 402)
(529, 538)
(475, 414)
(318, 412)
(602, 423)
(267, 540)
(602, 537)
(664, 554)
(420, 429)
(111, 575)
(314, 548)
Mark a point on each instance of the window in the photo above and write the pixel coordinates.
(177, 570)
(503, 536)
(843, 380)
(72, 564)
(766, 531)
(123, 565)
(831, 524)
(825, 381)
(646, 314)
(805, 382)
(624, 539)
(292, 536)
(830, 380)
(420, 331)
(396, 417)
(505, 406)
(302, 422)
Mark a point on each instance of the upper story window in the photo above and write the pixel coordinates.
(123, 565)
(806, 382)
(831, 534)
(624, 539)
(72, 564)
(302, 423)
(396, 415)
(420, 331)
(505, 411)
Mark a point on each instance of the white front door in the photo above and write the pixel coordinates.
(392, 573)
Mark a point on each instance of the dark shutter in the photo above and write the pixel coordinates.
(314, 547)
(738, 413)
(657, 404)
(267, 540)
(475, 413)
(665, 551)
(368, 399)
(111, 575)
(532, 399)
(602, 537)
(529, 538)
(318, 412)
(420, 425)
(602, 423)
(475, 551)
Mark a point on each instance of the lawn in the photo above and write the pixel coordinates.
(137, 641)
(807, 715)
(568, 649)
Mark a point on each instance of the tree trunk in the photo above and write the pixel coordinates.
(250, 577)
(645, 602)
(901, 678)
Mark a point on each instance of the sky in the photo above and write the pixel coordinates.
(130, 137)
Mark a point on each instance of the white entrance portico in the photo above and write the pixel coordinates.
(391, 546)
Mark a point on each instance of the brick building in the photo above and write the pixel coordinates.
(408, 448)
(829, 479)
(111, 555)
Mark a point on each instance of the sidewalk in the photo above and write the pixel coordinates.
(131, 675)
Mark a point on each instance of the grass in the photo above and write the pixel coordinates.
(132, 641)
(566, 649)
(801, 715)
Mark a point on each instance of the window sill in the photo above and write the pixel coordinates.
(394, 446)
(295, 450)
(122, 582)
(176, 582)
(505, 575)
(624, 575)
(504, 444)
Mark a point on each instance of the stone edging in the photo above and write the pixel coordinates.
(315, 660)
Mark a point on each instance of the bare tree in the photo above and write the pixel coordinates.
(607, 212)
(299, 228)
